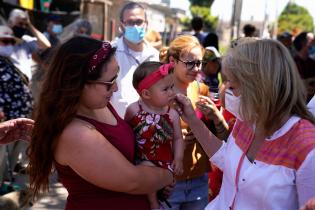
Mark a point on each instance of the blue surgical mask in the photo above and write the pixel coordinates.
(6, 51)
(57, 29)
(134, 34)
(311, 50)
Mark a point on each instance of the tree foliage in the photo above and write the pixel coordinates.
(295, 19)
(202, 3)
(210, 22)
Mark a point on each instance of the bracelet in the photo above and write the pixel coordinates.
(218, 124)
(221, 130)
(220, 127)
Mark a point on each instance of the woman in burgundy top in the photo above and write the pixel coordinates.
(79, 132)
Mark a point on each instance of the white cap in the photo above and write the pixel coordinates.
(214, 50)
(211, 53)
(17, 13)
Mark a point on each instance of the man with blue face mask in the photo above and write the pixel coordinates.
(53, 30)
(131, 51)
(7, 41)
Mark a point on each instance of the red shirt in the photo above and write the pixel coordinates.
(84, 195)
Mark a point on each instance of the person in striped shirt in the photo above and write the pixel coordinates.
(268, 159)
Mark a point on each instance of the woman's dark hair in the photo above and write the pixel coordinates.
(211, 40)
(249, 30)
(300, 40)
(196, 23)
(144, 69)
(58, 103)
(83, 23)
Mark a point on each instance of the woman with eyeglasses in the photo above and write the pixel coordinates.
(191, 190)
(78, 132)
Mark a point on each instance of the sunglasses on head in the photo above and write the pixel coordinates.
(191, 64)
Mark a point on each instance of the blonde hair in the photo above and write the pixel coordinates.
(271, 87)
(163, 54)
(179, 46)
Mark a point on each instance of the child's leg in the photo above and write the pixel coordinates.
(152, 197)
(154, 203)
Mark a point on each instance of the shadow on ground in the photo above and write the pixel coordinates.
(55, 199)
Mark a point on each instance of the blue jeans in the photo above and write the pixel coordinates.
(190, 194)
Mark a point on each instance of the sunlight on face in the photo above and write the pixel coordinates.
(231, 82)
(183, 73)
(162, 92)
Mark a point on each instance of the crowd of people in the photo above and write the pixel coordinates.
(128, 124)
(24, 57)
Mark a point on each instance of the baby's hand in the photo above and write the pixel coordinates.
(177, 166)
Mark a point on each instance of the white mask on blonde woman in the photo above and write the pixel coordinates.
(232, 103)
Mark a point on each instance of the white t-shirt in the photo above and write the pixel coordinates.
(22, 55)
(128, 60)
(280, 177)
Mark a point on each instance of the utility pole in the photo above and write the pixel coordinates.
(275, 30)
(264, 29)
(236, 19)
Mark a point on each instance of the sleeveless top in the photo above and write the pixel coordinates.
(84, 195)
(154, 136)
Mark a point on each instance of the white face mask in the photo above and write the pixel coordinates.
(6, 50)
(232, 103)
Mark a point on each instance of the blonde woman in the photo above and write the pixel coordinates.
(191, 190)
(268, 160)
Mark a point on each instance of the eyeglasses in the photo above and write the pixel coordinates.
(108, 85)
(7, 41)
(191, 64)
(138, 22)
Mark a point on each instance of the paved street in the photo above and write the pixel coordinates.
(54, 200)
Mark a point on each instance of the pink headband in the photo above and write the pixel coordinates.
(99, 56)
(154, 77)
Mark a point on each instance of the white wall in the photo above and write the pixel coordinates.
(156, 20)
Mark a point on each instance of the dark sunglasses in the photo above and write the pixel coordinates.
(8, 41)
(137, 22)
(191, 64)
(108, 85)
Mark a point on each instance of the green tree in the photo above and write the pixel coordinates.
(295, 19)
(210, 22)
(203, 3)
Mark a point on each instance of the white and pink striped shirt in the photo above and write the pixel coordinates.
(282, 176)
